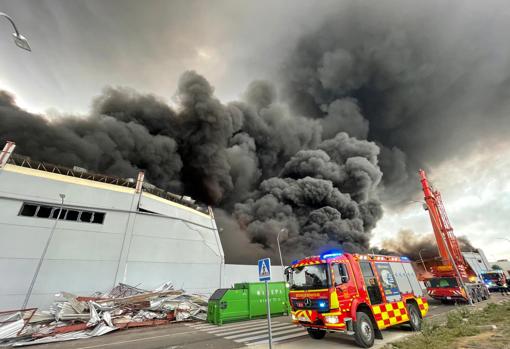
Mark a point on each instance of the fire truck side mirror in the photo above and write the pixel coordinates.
(287, 272)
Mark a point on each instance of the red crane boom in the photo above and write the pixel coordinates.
(447, 243)
(454, 279)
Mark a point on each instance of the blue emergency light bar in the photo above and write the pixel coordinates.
(331, 254)
(295, 261)
(404, 259)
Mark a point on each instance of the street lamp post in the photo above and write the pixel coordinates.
(421, 259)
(19, 39)
(34, 279)
(279, 249)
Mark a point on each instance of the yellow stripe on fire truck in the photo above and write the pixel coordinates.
(306, 263)
(301, 315)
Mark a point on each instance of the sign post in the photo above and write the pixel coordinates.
(265, 275)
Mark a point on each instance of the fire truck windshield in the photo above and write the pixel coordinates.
(442, 283)
(309, 277)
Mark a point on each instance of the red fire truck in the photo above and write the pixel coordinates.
(354, 294)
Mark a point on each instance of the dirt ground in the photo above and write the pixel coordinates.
(464, 328)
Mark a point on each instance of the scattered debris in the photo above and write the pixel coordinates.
(75, 317)
(14, 323)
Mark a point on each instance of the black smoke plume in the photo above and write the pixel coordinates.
(423, 80)
(376, 92)
(409, 244)
(268, 169)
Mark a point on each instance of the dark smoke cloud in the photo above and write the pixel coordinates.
(267, 168)
(422, 80)
(323, 197)
(368, 98)
(408, 243)
(100, 143)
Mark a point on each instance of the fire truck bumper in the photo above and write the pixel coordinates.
(332, 321)
(446, 294)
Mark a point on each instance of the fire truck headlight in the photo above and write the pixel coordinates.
(294, 317)
(331, 319)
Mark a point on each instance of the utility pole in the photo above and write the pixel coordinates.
(280, 250)
(421, 259)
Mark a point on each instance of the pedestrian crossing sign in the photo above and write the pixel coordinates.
(265, 269)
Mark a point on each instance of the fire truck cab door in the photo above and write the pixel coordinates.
(344, 282)
(373, 290)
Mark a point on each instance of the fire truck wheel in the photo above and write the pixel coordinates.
(315, 333)
(479, 296)
(474, 297)
(486, 294)
(414, 317)
(364, 334)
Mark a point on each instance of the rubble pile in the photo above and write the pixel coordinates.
(75, 317)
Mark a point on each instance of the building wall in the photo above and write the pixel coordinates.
(504, 265)
(170, 243)
(477, 261)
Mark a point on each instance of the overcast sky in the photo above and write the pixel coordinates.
(476, 195)
(79, 47)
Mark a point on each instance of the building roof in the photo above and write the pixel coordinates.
(77, 172)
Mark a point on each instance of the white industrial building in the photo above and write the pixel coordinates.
(109, 230)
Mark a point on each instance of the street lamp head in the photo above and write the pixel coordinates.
(284, 231)
(21, 41)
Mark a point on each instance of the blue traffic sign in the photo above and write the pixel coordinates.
(265, 269)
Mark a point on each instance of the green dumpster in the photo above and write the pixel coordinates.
(246, 301)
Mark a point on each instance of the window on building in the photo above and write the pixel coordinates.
(52, 212)
(62, 214)
(98, 218)
(44, 211)
(86, 216)
(72, 215)
(28, 210)
(55, 213)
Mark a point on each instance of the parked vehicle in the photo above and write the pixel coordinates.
(356, 294)
(453, 279)
(495, 280)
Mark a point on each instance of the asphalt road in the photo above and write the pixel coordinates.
(253, 333)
